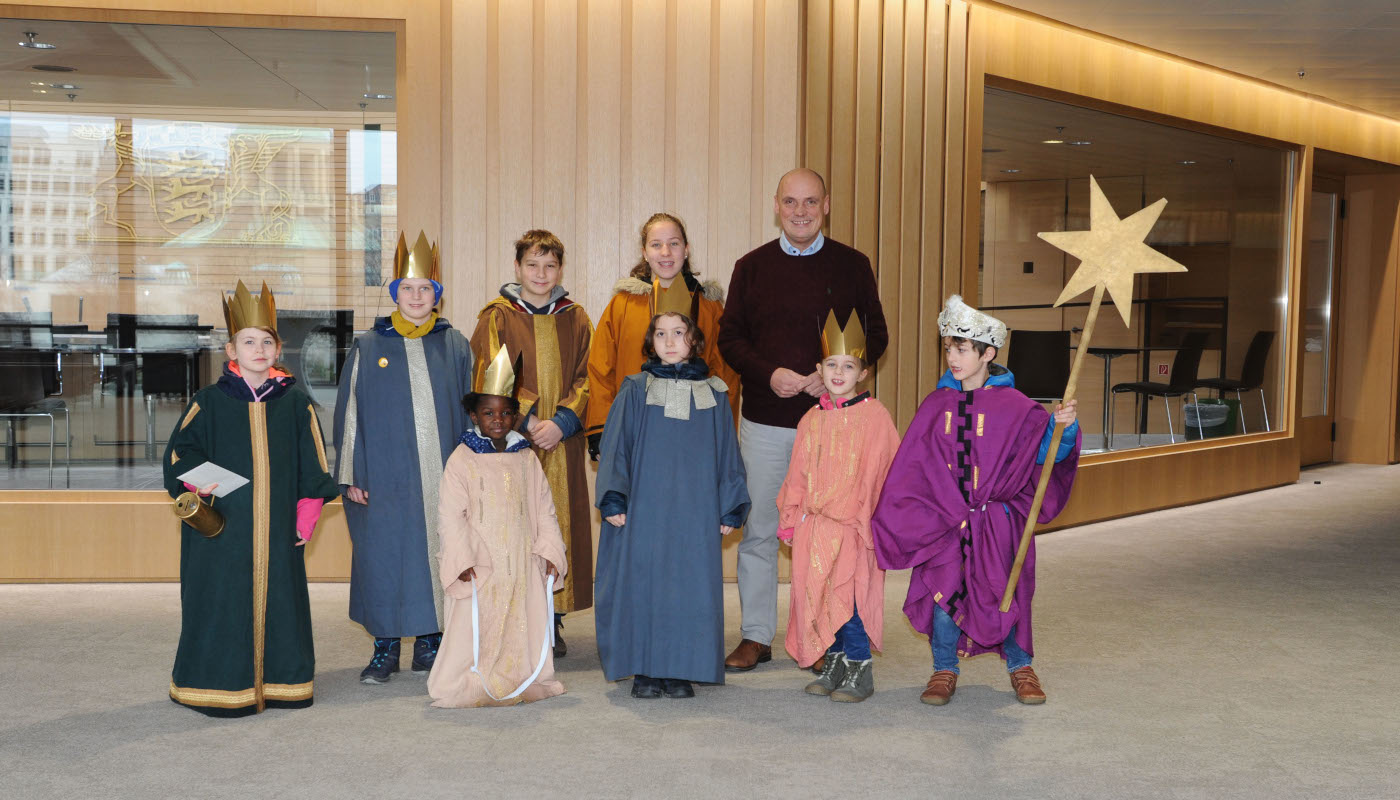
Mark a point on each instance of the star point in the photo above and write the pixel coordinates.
(1112, 251)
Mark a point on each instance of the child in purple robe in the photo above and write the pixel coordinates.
(956, 499)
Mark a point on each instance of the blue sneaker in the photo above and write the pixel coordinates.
(425, 650)
(384, 663)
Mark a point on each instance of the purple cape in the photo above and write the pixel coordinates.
(955, 503)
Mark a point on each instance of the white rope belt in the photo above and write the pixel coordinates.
(544, 648)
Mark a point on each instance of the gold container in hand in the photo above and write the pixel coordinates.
(198, 515)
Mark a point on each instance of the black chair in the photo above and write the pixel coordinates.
(168, 348)
(33, 330)
(1251, 376)
(1039, 360)
(1183, 382)
(315, 343)
(22, 395)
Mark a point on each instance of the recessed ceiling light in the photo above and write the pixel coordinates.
(36, 45)
(1079, 143)
(371, 96)
(1187, 162)
(1053, 141)
(41, 91)
(37, 83)
(1011, 170)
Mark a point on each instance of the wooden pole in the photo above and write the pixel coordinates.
(1049, 465)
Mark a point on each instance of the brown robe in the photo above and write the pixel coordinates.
(553, 374)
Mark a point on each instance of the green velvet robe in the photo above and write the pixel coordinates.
(245, 637)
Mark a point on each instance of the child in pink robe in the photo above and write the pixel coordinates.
(501, 540)
(843, 450)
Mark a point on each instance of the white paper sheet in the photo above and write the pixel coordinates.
(209, 472)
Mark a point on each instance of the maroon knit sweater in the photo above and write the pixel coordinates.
(774, 313)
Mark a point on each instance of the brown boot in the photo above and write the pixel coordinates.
(1027, 686)
(940, 688)
(748, 655)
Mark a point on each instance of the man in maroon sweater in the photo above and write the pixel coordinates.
(770, 333)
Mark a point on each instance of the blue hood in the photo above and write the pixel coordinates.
(1000, 376)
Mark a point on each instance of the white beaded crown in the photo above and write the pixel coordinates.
(962, 320)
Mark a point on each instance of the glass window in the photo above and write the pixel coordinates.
(183, 160)
(1201, 344)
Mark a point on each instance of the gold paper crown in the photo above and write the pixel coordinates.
(242, 311)
(838, 341)
(420, 262)
(678, 299)
(498, 376)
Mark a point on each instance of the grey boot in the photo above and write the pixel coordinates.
(858, 683)
(832, 672)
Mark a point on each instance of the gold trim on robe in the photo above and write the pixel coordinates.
(420, 388)
(189, 415)
(262, 524)
(316, 436)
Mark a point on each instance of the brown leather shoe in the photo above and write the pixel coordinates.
(748, 655)
(1027, 686)
(940, 688)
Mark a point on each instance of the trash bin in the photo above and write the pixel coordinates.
(1216, 417)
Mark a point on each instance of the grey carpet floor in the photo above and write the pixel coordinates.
(1242, 648)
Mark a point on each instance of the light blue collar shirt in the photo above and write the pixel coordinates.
(791, 249)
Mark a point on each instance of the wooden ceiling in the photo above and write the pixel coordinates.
(295, 70)
(1349, 51)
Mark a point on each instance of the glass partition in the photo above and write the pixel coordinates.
(1203, 353)
(144, 169)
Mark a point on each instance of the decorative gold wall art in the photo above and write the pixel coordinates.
(199, 183)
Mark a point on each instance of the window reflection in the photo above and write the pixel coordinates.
(1203, 354)
(125, 225)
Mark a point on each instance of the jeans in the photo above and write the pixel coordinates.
(944, 642)
(852, 639)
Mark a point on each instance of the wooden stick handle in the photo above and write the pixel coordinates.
(1070, 388)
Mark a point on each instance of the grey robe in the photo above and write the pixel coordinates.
(397, 419)
(659, 588)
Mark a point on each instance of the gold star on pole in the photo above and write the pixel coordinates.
(1112, 251)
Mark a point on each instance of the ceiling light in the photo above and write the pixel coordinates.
(1011, 170)
(36, 45)
(37, 83)
(370, 96)
(1053, 141)
(41, 91)
(63, 86)
(1187, 162)
(1079, 143)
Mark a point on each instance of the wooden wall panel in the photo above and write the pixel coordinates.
(126, 536)
(1368, 321)
(1122, 485)
(879, 77)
